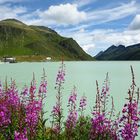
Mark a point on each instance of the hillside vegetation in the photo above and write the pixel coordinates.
(35, 43)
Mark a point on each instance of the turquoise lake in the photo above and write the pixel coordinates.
(83, 75)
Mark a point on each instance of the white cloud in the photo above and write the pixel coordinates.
(88, 46)
(135, 24)
(111, 14)
(63, 14)
(124, 37)
(100, 39)
(69, 14)
(6, 11)
(82, 3)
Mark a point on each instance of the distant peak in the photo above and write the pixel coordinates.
(100, 53)
(121, 46)
(113, 46)
(12, 20)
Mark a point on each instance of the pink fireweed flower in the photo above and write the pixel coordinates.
(56, 128)
(42, 90)
(56, 110)
(57, 113)
(20, 135)
(104, 94)
(102, 127)
(72, 116)
(25, 91)
(101, 124)
(72, 98)
(130, 113)
(83, 103)
(12, 95)
(61, 75)
(25, 95)
(33, 110)
(129, 121)
(72, 119)
(105, 88)
(43, 87)
(13, 98)
(4, 113)
(32, 88)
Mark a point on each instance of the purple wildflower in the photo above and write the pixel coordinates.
(72, 119)
(129, 121)
(130, 114)
(20, 135)
(33, 110)
(32, 88)
(57, 109)
(4, 113)
(25, 91)
(43, 87)
(72, 98)
(102, 126)
(56, 128)
(12, 95)
(83, 103)
(73, 115)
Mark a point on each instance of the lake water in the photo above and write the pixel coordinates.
(80, 74)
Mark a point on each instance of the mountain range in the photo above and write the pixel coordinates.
(120, 52)
(35, 43)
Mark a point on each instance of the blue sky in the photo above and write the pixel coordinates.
(94, 24)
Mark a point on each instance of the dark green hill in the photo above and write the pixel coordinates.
(120, 53)
(35, 43)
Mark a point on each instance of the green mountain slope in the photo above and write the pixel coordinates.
(36, 43)
(120, 53)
